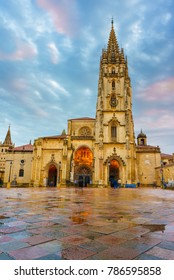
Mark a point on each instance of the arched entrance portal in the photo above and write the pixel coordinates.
(84, 176)
(83, 161)
(113, 171)
(52, 176)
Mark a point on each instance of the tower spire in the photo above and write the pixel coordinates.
(7, 140)
(113, 48)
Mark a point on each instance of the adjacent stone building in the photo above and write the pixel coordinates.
(18, 165)
(148, 157)
(165, 172)
(4, 147)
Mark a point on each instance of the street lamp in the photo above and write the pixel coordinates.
(8, 184)
(108, 171)
(59, 170)
(162, 175)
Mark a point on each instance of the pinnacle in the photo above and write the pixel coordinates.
(7, 140)
(113, 47)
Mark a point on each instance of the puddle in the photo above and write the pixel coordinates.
(79, 217)
(3, 217)
(155, 227)
(112, 219)
(58, 206)
(78, 202)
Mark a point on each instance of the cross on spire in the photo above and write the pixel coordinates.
(112, 22)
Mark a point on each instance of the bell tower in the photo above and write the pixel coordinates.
(114, 128)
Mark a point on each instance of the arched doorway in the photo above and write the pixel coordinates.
(83, 175)
(83, 161)
(52, 176)
(113, 171)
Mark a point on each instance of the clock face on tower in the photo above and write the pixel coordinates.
(113, 102)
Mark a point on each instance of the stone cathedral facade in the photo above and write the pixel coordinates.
(96, 151)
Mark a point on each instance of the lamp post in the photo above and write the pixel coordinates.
(162, 176)
(108, 171)
(59, 170)
(8, 183)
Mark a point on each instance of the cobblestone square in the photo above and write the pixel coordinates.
(86, 223)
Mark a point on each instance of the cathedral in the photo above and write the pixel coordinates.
(96, 152)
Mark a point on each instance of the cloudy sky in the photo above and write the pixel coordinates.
(49, 62)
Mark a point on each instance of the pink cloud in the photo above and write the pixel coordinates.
(160, 91)
(64, 14)
(156, 119)
(19, 85)
(55, 54)
(23, 51)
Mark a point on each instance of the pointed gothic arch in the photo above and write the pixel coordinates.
(83, 166)
(52, 175)
(114, 171)
(52, 172)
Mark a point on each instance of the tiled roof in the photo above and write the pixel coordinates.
(83, 119)
(166, 156)
(56, 136)
(28, 148)
(147, 148)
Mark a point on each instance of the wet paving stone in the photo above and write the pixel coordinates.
(91, 235)
(19, 235)
(162, 253)
(29, 253)
(76, 253)
(166, 245)
(54, 246)
(12, 245)
(148, 257)
(51, 257)
(116, 253)
(36, 239)
(6, 238)
(6, 229)
(88, 223)
(56, 234)
(6, 257)
(74, 239)
(110, 240)
(94, 246)
(138, 246)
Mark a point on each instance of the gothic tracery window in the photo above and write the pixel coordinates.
(113, 127)
(113, 131)
(85, 131)
(113, 84)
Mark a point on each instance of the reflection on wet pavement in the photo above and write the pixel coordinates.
(153, 228)
(89, 223)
